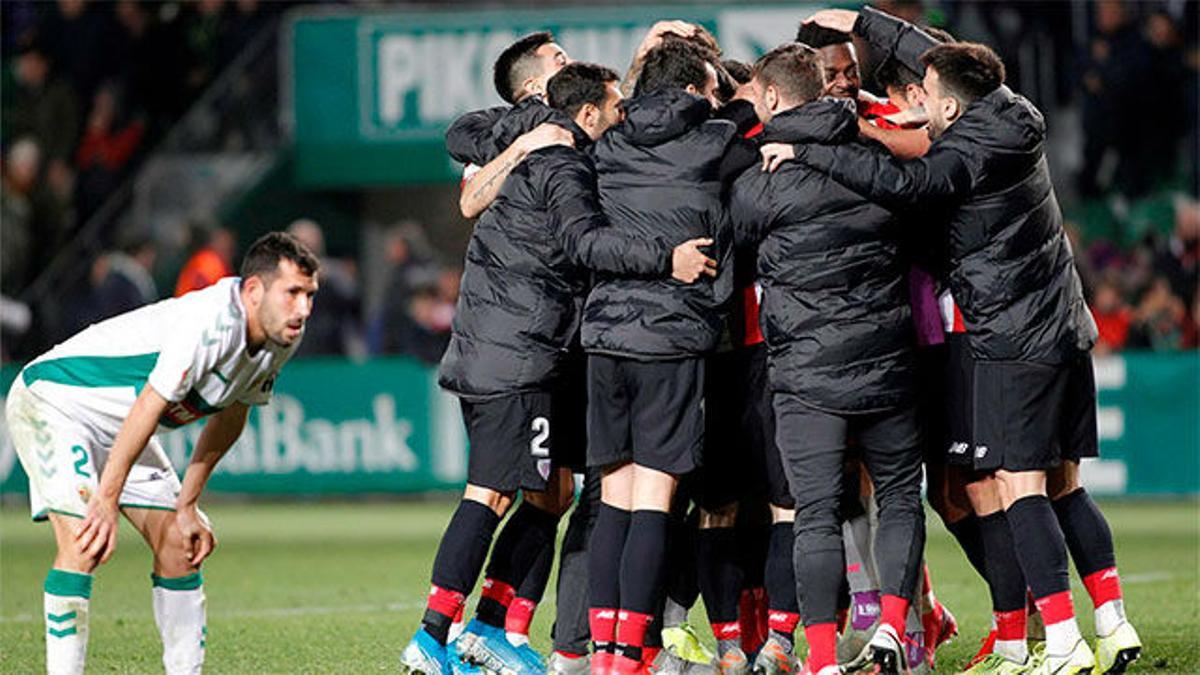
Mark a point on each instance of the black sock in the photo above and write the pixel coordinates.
(719, 573)
(682, 586)
(459, 557)
(643, 563)
(753, 540)
(533, 586)
(604, 561)
(1040, 546)
(1086, 532)
(525, 536)
(780, 574)
(970, 540)
(1006, 583)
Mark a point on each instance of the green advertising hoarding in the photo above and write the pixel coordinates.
(336, 427)
(332, 427)
(369, 95)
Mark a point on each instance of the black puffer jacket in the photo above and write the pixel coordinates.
(835, 310)
(526, 270)
(471, 138)
(1011, 268)
(660, 176)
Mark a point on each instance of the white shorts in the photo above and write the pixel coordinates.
(63, 459)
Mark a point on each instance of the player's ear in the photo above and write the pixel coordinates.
(255, 287)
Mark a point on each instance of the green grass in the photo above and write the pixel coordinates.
(340, 587)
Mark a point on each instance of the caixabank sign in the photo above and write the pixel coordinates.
(336, 427)
(368, 96)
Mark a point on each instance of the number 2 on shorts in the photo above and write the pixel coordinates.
(80, 460)
(541, 430)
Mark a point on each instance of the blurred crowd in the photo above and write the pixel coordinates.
(89, 88)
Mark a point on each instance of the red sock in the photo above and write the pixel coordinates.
(822, 645)
(445, 601)
(1104, 586)
(783, 622)
(1010, 625)
(603, 624)
(893, 611)
(569, 655)
(631, 632)
(1056, 607)
(458, 616)
(763, 624)
(520, 615)
(730, 630)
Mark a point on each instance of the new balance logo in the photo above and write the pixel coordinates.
(1110, 573)
(958, 448)
(777, 616)
(729, 628)
(606, 614)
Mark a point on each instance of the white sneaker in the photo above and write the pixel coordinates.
(887, 652)
(1079, 661)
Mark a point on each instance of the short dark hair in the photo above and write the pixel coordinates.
(577, 84)
(794, 69)
(893, 73)
(817, 36)
(672, 64)
(262, 260)
(968, 71)
(741, 72)
(516, 64)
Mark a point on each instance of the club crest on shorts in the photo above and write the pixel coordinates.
(981, 451)
(543, 468)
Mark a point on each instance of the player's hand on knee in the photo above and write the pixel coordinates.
(97, 536)
(688, 262)
(197, 538)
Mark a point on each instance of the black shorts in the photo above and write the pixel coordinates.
(647, 412)
(1031, 416)
(957, 440)
(516, 440)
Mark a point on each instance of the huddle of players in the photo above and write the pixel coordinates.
(609, 323)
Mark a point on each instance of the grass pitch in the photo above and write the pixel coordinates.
(340, 588)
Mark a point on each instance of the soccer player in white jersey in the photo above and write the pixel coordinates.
(83, 418)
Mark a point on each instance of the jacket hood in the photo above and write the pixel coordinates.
(528, 114)
(1004, 120)
(657, 117)
(828, 121)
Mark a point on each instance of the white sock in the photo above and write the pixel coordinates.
(1013, 650)
(179, 613)
(860, 563)
(1109, 617)
(1062, 636)
(65, 600)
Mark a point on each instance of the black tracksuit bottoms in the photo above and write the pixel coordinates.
(814, 445)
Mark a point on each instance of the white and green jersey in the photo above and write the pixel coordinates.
(191, 350)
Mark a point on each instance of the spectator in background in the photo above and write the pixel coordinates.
(1113, 317)
(120, 281)
(335, 326)
(74, 34)
(1160, 322)
(1177, 257)
(201, 22)
(422, 330)
(212, 260)
(16, 213)
(109, 142)
(39, 104)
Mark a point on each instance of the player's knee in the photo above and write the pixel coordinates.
(498, 502)
(69, 558)
(172, 553)
(1063, 480)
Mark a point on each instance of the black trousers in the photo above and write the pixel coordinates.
(813, 445)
